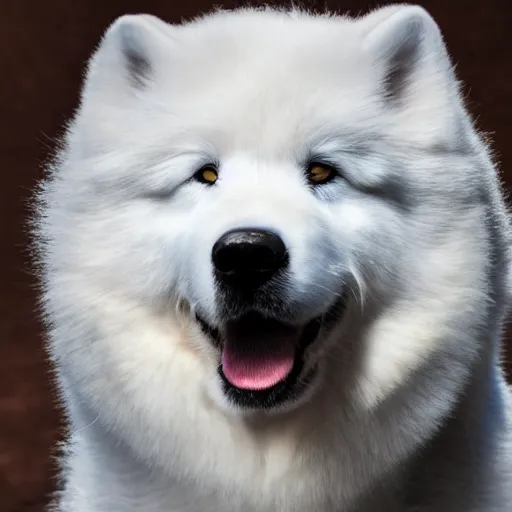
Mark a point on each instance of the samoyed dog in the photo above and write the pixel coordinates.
(275, 264)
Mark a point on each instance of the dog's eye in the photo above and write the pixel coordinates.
(318, 174)
(207, 174)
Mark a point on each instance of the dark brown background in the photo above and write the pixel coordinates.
(43, 48)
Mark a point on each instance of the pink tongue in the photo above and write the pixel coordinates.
(258, 361)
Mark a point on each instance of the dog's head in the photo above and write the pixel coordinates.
(257, 197)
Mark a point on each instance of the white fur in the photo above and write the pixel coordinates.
(125, 241)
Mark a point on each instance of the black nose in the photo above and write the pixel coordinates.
(248, 257)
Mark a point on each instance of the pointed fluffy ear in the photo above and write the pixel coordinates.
(128, 56)
(131, 59)
(415, 74)
(405, 43)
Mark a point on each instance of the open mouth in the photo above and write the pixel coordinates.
(262, 359)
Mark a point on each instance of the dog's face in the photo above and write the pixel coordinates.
(268, 276)
(276, 193)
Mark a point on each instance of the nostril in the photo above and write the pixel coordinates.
(249, 252)
(224, 260)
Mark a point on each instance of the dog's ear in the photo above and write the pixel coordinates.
(130, 63)
(416, 77)
(407, 48)
(128, 55)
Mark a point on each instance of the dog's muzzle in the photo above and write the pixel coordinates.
(262, 348)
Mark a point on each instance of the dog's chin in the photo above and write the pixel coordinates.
(263, 360)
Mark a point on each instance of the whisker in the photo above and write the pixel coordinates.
(81, 429)
(327, 289)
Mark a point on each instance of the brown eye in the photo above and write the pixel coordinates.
(319, 174)
(207, 175)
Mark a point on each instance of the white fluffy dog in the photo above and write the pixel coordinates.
(275, 261)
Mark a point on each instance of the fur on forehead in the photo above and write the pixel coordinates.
(384, 69)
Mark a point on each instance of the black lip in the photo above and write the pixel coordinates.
(296, 382)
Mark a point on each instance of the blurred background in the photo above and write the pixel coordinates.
(43, 49)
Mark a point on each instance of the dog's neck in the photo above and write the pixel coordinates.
(463, 452)
(456, 468)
